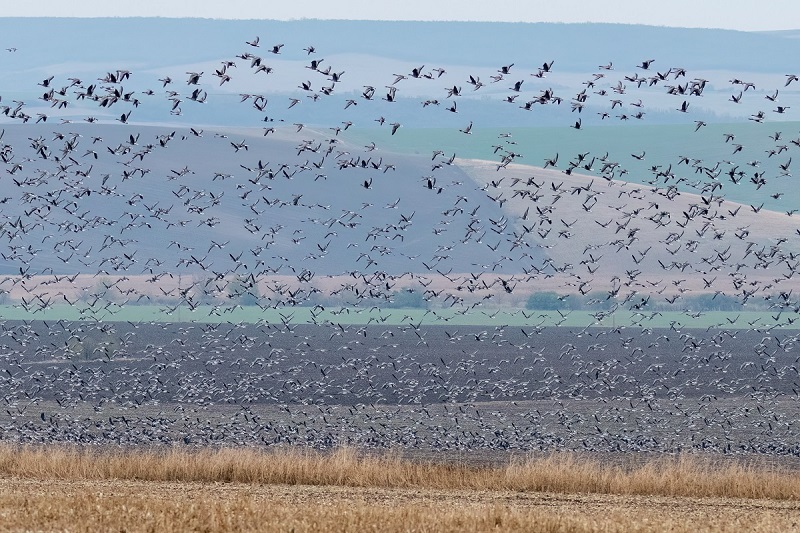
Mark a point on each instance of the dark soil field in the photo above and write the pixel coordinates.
(426, 390)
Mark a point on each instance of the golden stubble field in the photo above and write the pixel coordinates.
(125, 505)
(73, 489)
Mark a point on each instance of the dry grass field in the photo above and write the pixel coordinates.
(60, 489)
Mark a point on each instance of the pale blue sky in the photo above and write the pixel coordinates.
(747, 15)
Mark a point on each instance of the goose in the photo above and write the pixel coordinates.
(194, 78)
(390, 95)
(238, 146)
(454, 91)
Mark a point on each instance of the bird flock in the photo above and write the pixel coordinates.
(311, 275)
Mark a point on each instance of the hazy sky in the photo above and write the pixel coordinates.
(748, 15)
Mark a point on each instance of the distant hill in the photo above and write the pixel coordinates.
(180, 203)
(152, 42)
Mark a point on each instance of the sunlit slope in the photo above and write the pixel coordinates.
(614, 236)
(727, 156)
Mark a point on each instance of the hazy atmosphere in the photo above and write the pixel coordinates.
(743, 15)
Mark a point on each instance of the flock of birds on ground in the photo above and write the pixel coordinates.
(305, 285)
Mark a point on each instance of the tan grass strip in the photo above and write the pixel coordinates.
(685, 475)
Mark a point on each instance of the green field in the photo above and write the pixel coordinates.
(663, 146)
(410, 317)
